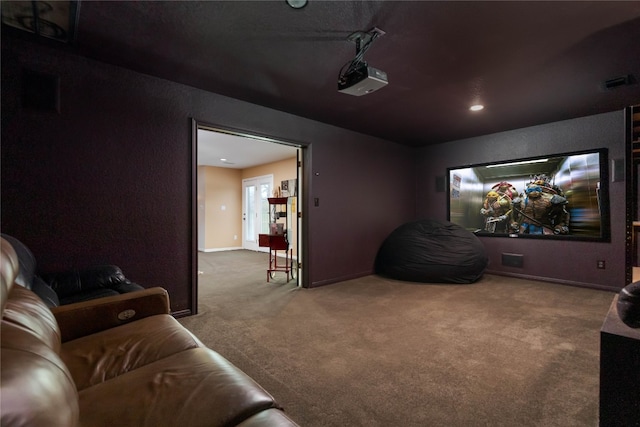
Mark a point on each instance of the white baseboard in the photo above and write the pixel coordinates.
(279, 254)
(219, 249)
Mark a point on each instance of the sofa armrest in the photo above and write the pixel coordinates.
(88, 317)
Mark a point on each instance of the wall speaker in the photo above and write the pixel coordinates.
(617, 170)
(40, 91)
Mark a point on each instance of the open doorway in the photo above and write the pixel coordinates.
(236, 176)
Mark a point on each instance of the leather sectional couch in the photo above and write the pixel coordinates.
(115, 361)
(67, 287)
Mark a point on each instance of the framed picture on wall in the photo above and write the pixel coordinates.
(289, 188)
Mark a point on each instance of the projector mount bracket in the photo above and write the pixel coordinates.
(363, 41)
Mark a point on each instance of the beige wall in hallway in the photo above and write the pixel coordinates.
(281, 170)
(222, 196)
(222, 187)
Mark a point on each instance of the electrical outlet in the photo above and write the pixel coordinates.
(600, 264)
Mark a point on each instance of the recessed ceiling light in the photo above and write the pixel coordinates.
(476, 107)
(223, 160)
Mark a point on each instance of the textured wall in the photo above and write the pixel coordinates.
(108, 179)
(571, 262)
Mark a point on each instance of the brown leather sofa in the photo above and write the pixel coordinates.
(115, 361)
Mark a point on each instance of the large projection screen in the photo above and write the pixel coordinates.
(560, 196)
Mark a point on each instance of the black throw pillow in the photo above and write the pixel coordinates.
(629, 305)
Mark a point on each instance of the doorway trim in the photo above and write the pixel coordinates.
(632, 170)
(303, 200)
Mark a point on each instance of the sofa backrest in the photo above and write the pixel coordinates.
(8, 270)
(27, 276)
(36, 387)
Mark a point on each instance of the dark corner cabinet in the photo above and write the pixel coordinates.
(619, 372)
(278, 238)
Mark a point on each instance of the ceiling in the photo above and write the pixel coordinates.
(529, 63)
(238, 152)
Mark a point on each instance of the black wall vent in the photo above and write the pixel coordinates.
(40, 91)
(617, 82)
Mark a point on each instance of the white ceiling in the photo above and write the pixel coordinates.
(240, 152)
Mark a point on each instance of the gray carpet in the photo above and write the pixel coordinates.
(379, 352)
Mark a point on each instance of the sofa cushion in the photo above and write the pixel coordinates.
(101, 356)
(193, 388)
(37, 388)
(44, 291)
(9, 266)
(26, 260)
(25, 309)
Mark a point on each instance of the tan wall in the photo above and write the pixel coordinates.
(284, 169)
(222, 207)
(223, 187)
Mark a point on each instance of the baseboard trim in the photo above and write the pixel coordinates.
(235, 248)
(279, 254)
(553, 280)
(181, 313)
(340, 279)
(496, 273)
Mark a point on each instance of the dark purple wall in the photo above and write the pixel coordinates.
(108, 179)
(561, 261)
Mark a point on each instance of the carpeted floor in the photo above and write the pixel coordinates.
(379, 352)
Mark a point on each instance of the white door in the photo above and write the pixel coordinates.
(255, 210)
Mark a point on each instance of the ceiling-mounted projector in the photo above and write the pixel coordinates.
(359, 78)
(362, 80)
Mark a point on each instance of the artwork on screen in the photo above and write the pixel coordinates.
(561, 196)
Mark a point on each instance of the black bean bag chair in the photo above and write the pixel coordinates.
(432, 251)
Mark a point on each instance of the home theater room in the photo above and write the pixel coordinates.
(462, 228)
